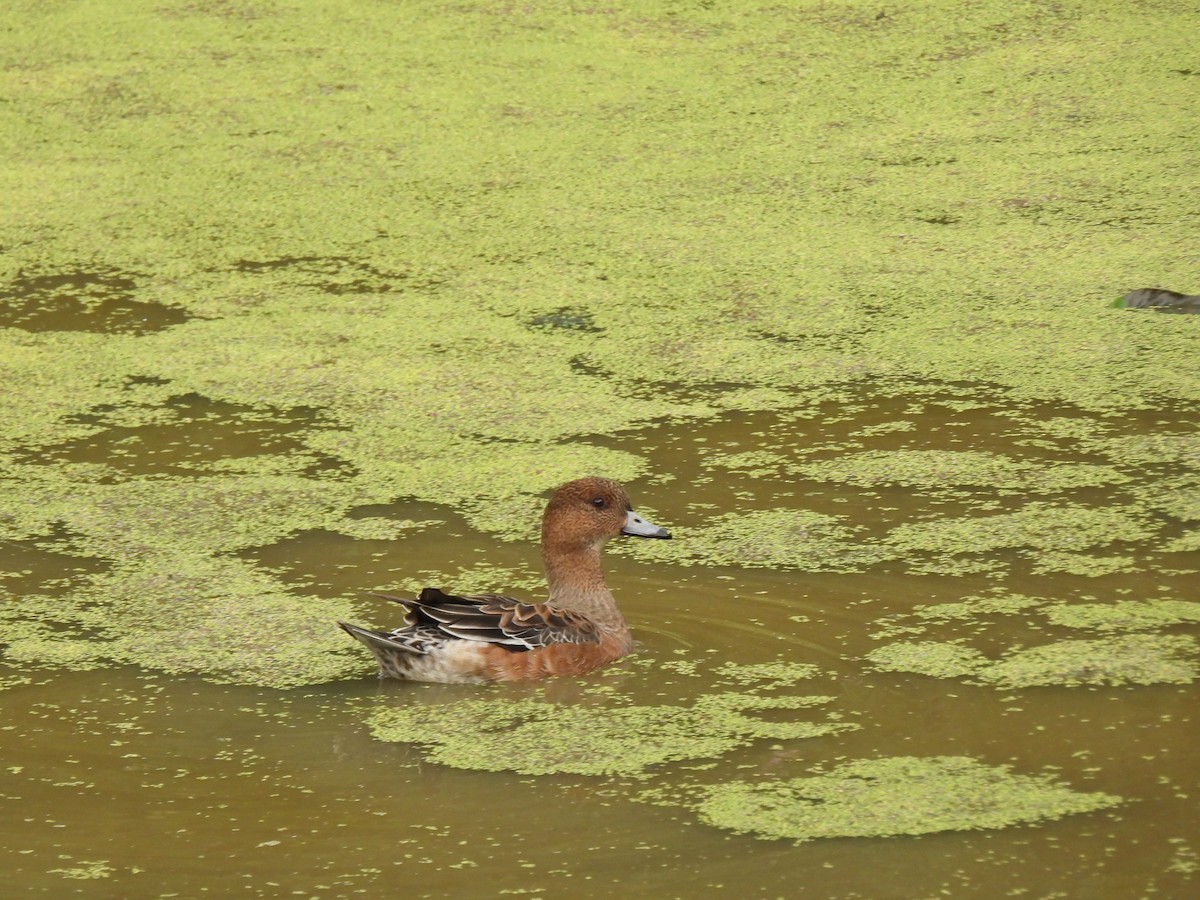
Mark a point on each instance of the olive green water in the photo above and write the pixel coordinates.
(298, 301)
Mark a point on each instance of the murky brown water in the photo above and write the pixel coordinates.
(122, 782)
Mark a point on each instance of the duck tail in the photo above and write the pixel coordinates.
(379, 640)
(404, 601)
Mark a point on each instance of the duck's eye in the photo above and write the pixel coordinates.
(598, 502)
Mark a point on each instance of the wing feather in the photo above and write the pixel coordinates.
(495, 619)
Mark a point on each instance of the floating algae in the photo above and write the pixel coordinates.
(937, 659)
(1124, 615)
(1084, 564)
(775, 538)
(467, 304)
(767, 675)
(1155, 449)
(1050, 535)
(1129, 659)
(1119, 658)
(944, 469)
(968, 608)
(894, 796)
(534, 737)
(1126, 659)
(218, 617)
(175, 597)
(1189, 542)
(1177, 497)
(969, 614)
(1037, 525)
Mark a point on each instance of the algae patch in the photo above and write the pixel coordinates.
(468, 303)
(87, 869)
(534, 737)
(773, 538)
(1052, 536)
(971, 607)
(937, 659)
(894, 796)
(766, 675)
(1124, 615)
(176, 597)
(1124, 655)
(1127, 659)
(938, 470)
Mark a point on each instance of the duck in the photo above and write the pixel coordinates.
(479, 638)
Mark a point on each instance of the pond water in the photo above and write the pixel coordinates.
(300, 302)
(1078, 780)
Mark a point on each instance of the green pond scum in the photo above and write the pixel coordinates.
(895, 796)
(301, 301)
(470, 284)
(1134, 651)
(534, 737)
(1130, 659)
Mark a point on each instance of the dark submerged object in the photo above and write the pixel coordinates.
(1160, 299)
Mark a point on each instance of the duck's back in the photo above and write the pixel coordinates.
(487, 637)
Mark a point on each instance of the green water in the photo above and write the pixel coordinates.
(300, 303)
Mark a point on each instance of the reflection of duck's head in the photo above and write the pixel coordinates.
(583, 514)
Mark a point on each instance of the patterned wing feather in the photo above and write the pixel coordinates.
(495, 619)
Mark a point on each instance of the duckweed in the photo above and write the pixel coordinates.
(534, 737)
(894, 796)
(937, 469)
(1125, 659)
(467, 292)
(766, 675)
(1124, 615)
(222, 618)
(776, 538)
(968, 608)
(937, 659)
(1050, 534)
(1129, 659)
(1188, 542)
(1177, 497)
(1154, 449)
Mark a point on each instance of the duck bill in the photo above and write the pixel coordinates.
(636, 526)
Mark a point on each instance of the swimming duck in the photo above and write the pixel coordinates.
(489, 637)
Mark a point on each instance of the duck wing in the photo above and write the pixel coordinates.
(495, 619)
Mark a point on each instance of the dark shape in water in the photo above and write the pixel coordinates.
(99, 301)
(1160, 299)
(198, 433)
(343, 275)
(566, 318)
